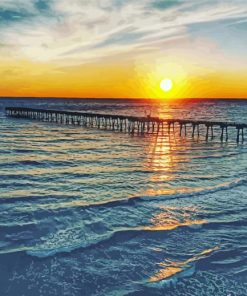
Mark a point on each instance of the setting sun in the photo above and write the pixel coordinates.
(166, 85)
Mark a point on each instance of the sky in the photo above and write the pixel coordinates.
(123, 48)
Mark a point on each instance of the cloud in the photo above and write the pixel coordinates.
(78, 31)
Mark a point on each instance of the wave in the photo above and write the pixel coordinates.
(24, 151)
(118, 235)
(49, 246)
(216, 156)
(131, 201)
(39, 252)
(35, 163)
(217, 224)
(112, 236)
(172, 269)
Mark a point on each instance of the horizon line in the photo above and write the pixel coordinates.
(120, 98)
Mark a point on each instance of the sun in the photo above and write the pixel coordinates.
(166, 84)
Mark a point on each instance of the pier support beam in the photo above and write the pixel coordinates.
(128, 124)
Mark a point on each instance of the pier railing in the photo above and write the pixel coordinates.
(129, 124)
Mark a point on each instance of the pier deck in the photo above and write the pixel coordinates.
(130, 124)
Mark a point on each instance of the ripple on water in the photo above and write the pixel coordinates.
(107, 213)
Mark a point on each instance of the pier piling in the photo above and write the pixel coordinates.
(130, 124)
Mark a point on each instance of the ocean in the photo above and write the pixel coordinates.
(95, 212)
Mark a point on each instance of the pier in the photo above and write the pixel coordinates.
(130, 124)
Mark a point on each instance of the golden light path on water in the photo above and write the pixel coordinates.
(173, 268)
(173, 217)
(164, 161)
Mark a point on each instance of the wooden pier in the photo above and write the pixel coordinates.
(130, 124)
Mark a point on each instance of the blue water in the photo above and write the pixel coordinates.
(94, 212)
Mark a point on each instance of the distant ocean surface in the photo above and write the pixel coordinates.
(94, 212)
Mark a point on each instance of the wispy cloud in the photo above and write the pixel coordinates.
(76, 31)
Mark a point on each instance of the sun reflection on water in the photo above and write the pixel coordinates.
(172, 268)
(166, 159)
(172, 217)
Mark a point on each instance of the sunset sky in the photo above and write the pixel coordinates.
(123, 48)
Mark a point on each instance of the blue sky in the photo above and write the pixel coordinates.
(79, 30)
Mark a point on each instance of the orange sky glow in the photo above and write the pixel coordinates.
(124, 50)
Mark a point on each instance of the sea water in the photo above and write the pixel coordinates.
(95, 212)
